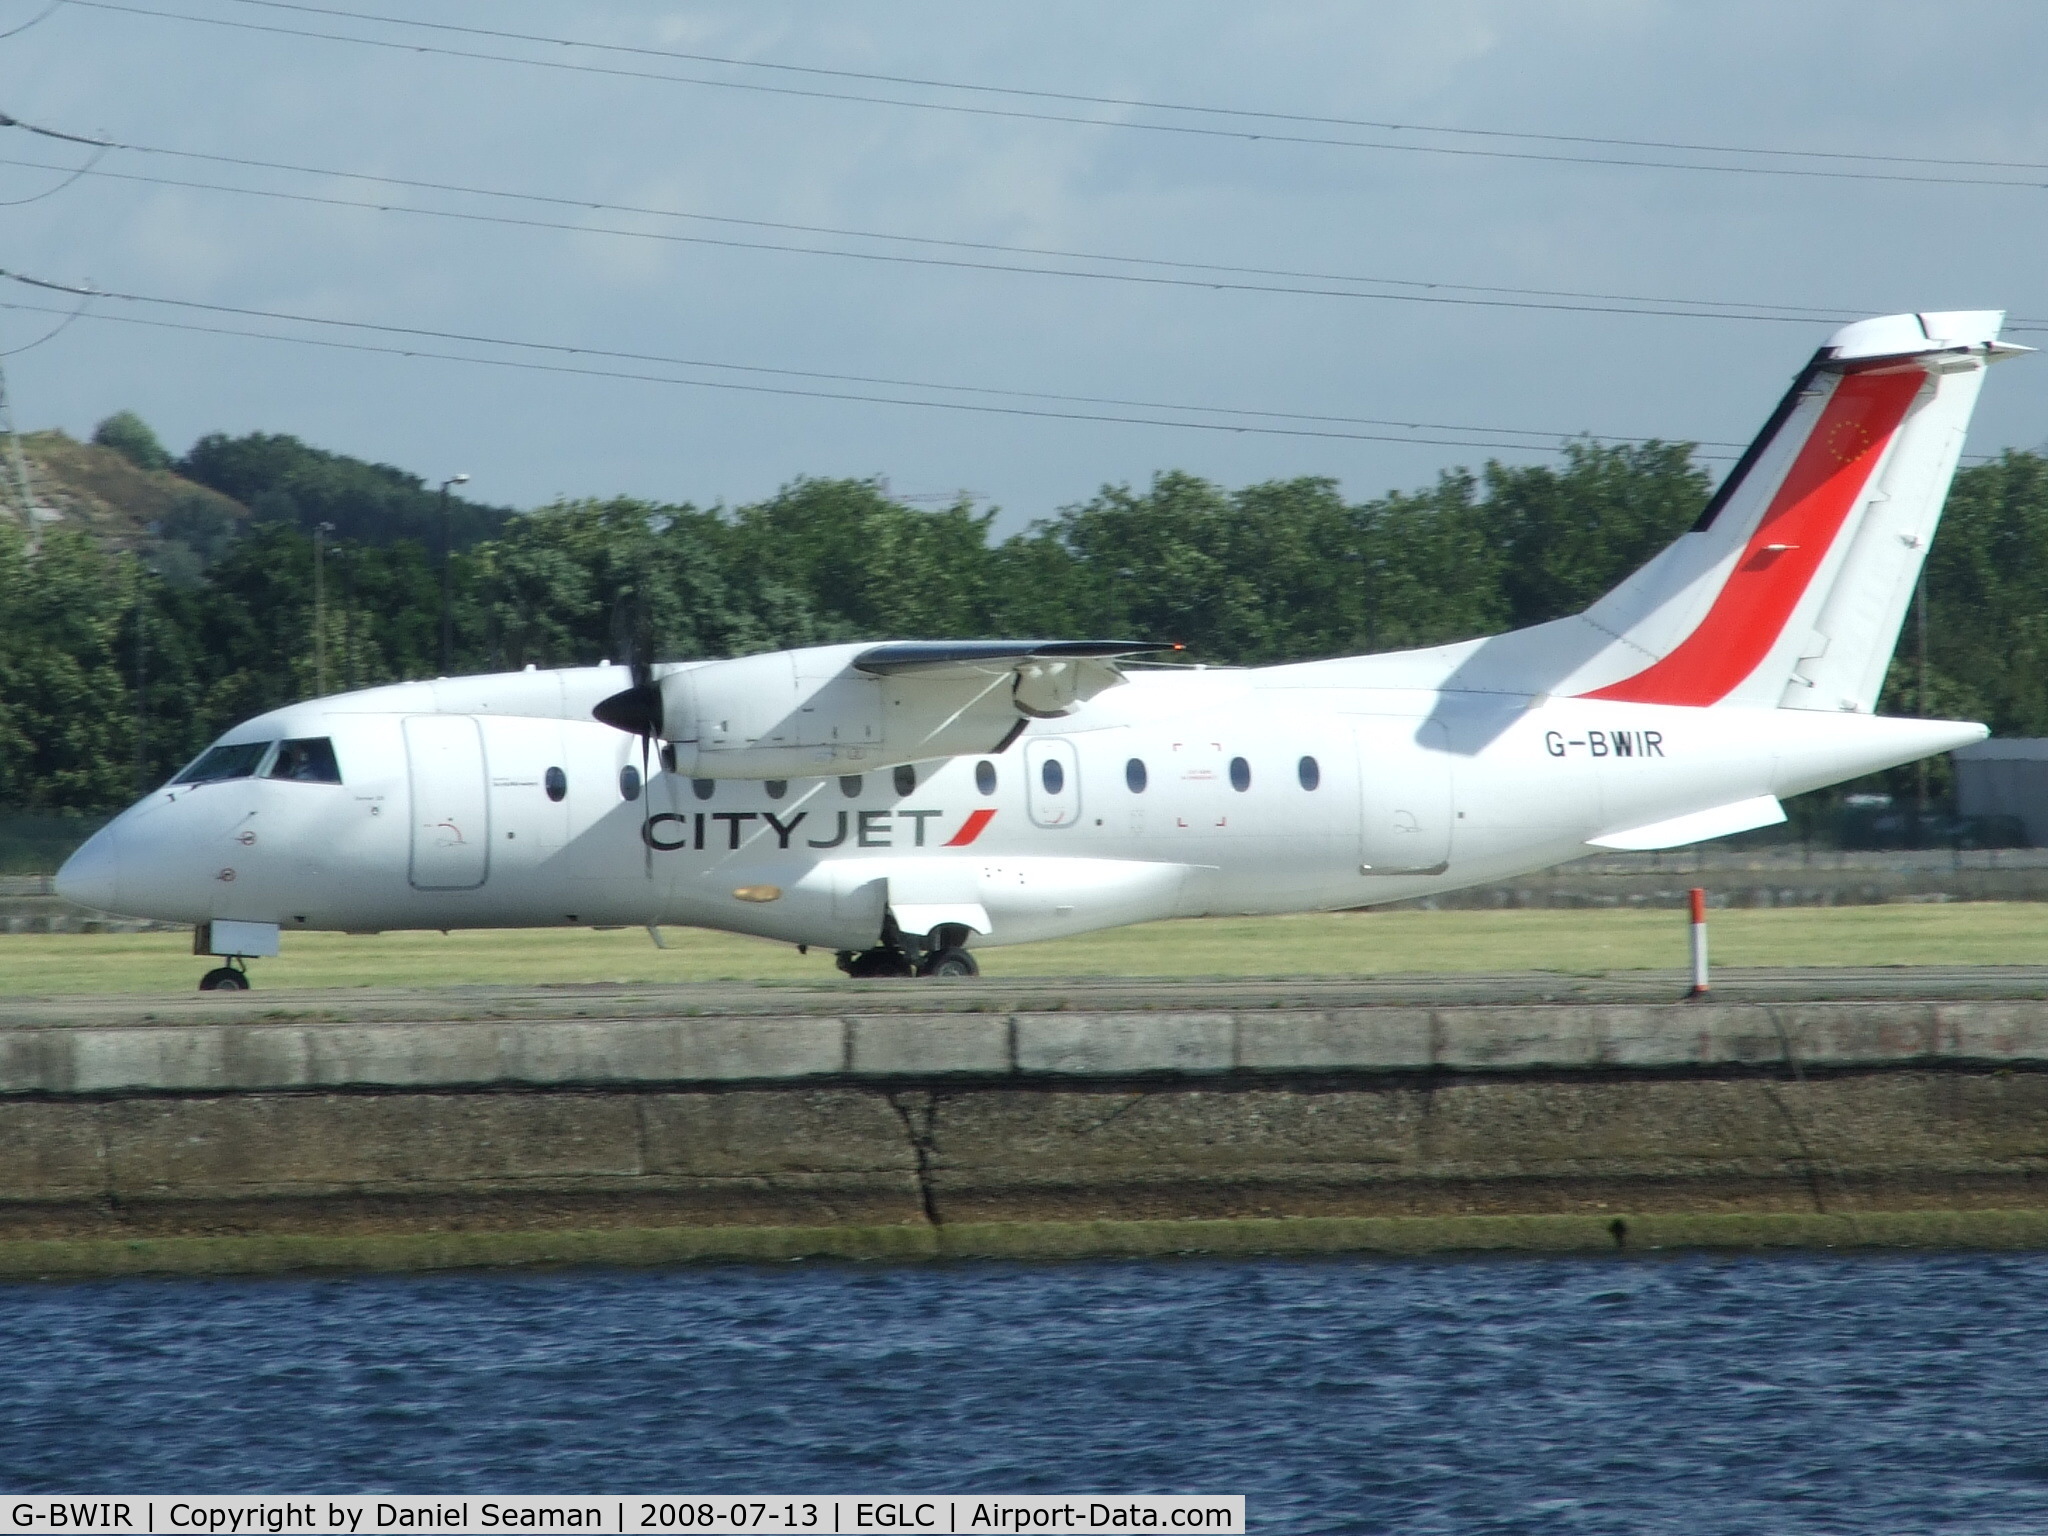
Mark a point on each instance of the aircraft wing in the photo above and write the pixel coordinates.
(991, 655)
(1051, 676)
(848, 708)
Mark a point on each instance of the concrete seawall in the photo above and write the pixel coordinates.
(228, 1139)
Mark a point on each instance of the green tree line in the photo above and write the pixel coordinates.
(111, 677)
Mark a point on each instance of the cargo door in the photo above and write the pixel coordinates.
(451, 823)
(1405, 791)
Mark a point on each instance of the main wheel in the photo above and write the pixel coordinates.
(952, 961)
(224, 978)
(882, 960)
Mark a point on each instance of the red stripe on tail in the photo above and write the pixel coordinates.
(1787, 548)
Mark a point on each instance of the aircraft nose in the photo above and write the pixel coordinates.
(91, 876)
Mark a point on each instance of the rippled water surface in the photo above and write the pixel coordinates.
(1693, 1394)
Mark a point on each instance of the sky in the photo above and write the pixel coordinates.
(1443, 172)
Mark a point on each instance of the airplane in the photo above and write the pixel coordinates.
(905, 803)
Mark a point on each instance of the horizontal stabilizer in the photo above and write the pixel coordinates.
(1696, 826)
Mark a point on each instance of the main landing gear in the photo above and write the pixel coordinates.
(232, 977)
(942, 952)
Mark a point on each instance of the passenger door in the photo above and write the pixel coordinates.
(451, 820)
(1405, 795)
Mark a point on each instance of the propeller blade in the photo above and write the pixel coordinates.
(646, 806)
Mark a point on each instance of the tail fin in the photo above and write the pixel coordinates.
(1791, 588)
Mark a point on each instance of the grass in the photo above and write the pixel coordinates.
(1329, 944)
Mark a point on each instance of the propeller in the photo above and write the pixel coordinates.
(637, 710)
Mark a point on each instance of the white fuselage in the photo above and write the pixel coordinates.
(1284, 789)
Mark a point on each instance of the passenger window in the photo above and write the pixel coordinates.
(1053, 776)
(703, 788)
(1308, 772)
(1240, 774)
(1134, 775)
(629, 782)
(776, 788)
(557, 783)
(906, 779)
(226, 762)
(849, 785)
(985, 776)
(307, 760)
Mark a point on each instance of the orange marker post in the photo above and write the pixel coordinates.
(1699, 942)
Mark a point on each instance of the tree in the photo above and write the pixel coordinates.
(66, 736)
(1569, 534)
(282, 480)
(1987, 582)
(130, 436)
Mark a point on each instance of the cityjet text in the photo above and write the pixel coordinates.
(674, 831)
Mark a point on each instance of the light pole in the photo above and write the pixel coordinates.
(320, 532)
(447, 589)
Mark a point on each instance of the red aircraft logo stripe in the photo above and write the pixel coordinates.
(1788, 546)
(971, 829)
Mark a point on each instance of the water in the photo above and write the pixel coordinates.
(1698, 1394)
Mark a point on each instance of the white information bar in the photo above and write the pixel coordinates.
(807, 1514)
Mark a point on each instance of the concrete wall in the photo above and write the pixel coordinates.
(256, 1127)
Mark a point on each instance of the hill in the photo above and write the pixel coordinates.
(181, 515)
(124, 507)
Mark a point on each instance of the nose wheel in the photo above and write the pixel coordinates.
(232, 977)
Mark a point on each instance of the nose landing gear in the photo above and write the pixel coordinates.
(232, 977)
(234, 944)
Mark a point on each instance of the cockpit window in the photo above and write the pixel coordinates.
(235, 760)
(308, 759)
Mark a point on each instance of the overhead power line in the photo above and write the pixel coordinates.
(1801, 313)
(1199, 130)
(1145, 103)
(1045, 404)
(1218, 283)
(1212, 276)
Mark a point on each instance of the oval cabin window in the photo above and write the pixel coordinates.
(776, 788)
(1134, 775)
(1240, 774)
(629, 782)
(906, 779)
(703, 788)
(1309, 773)
(1052, 776)
(985, 776)
(557, 783)
(849, 785)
